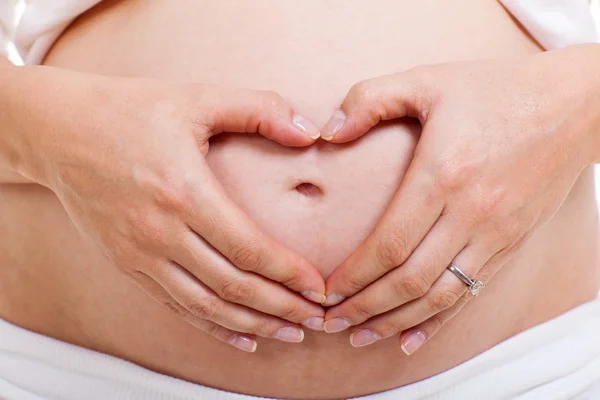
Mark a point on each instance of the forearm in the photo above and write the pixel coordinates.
(594, 88)
(581, 84)
(8, 171)
(569, 79)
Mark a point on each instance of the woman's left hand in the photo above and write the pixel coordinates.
(502, 144)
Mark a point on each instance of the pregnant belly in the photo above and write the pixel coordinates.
(321, 201)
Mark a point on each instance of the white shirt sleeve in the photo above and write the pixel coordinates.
(555, 23)
(7, 21)
(43, 22)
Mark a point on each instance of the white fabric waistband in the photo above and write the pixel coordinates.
(559, 359)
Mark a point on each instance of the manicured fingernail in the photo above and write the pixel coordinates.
(314, 323)
(314, 296)
(334, 124)
(243, 343)
(413, 342)
(289, 334)
(364, 337)
(306, 126)
(333, 299)
(336, 325)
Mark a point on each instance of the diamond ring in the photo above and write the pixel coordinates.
(473, 285)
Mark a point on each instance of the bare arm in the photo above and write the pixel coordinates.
(117, 153)
(7, 172)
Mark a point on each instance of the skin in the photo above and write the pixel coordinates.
(215, 256)
(472, 196)
(58, 282)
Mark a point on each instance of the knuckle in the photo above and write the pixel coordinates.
(261, 327)
(208, 308)
(247, 255)
(455, 173)
(290, 312)
(512, 228)
(271, 101)
(145, 227)
(237, 292)
(355, 282)
(434, 323)
(362, 92)
(432, 193)
(502, 230)
(390, 327)
(490, 203)
(213, 330)
(485, 275)
(424, 93)
(392, 251)
(270, 104)
(175, 308)
(443, 300)
(291, 278)
(365, 95)
(291, 272)
(362, 310)
(413, 285)
(172, 196)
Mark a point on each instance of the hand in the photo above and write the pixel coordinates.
(501, 146)
(126, 159)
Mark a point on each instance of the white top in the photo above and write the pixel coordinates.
(559, 359)
(553, 23)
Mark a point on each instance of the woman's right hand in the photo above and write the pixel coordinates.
(126, 158)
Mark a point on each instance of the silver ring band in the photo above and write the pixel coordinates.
(473, 285)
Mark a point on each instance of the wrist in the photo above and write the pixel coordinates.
(594, 105)
(42, 108)
(570, 78)
(583, 86)
(18, 92)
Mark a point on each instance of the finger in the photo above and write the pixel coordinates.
(230, 231)
(410, 281)
(254, 111)
(444, 294)
(203, 304)
(236, 286)
(412, 339)
(413, 211)
(407, 94)
(155, 291)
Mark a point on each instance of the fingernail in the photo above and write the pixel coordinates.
(243, 343)
(306, 126)
(314, 323)
(364, 337)
(333, 299)
(334, 124)
(314, 296)
(289, 334)
(413, 342)
(336, 325)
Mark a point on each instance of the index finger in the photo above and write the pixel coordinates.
(413, 211)
(406, 94)
(253, 111)
(218, 220)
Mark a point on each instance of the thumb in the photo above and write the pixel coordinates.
(254, 111)
(406, 94)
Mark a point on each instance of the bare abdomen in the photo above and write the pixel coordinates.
(320, 201)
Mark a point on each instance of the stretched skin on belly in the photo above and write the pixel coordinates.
(311, 52)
